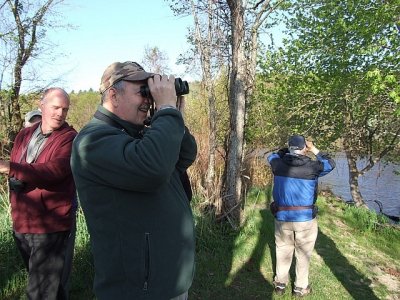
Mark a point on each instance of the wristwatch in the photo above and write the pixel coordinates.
(164, 106)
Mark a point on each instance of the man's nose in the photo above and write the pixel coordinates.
(59, 112)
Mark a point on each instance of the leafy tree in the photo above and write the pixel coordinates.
(82, 108)
(23, 28)
(155, 60)
(236, 25)
(208, 39)
(337, 79)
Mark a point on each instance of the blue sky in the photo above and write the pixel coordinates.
(109, 31)
(105, 32)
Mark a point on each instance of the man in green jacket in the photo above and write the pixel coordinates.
(128, 178)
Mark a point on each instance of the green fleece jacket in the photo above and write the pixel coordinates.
(138, 216)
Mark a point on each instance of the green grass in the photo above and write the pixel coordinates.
(354, 257)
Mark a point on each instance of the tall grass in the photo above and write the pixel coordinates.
(12, 272)
(353, 259)
(83, 270)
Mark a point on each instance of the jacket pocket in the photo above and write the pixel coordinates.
(146, 261)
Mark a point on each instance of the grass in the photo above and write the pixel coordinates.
(354, 257)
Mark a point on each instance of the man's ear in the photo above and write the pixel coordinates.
(113, 97)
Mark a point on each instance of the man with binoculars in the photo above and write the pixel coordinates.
(128, 178)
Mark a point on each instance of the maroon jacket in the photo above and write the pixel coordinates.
(45, 204)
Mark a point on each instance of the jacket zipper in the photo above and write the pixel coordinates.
(146, 261)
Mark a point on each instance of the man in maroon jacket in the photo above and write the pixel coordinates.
(43, 198)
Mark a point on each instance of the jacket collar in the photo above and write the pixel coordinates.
(30, 130)
(296, 159)
(131, 129)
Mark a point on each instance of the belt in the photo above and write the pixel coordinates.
(280, 208)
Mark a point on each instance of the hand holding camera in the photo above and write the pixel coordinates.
(16, 185)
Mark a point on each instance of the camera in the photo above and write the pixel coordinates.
(16, 185)
(181, 88)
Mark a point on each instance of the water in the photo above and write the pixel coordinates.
(380, 183)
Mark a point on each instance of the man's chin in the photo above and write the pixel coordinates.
(138, 121)
(56, 125)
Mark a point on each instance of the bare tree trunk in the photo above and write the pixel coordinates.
(353, 179)
(15, 120)
(237, 107)
(204, 44)
(212, 147)
(354, 175)
(27, 37)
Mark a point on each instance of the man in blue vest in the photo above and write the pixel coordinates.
(295, 193)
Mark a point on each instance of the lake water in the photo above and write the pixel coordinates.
(380, 183)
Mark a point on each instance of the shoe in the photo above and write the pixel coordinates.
(279, 287)
(301, 292)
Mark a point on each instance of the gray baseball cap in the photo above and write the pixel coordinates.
(31, 114)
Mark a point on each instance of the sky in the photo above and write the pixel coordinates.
(110, 31)
(105, 32)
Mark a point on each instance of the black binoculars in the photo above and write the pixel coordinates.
(181, 88)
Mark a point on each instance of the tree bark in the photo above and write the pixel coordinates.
(204, 44)
(237, 107)
(212, 147)
(354, 175)
(27, 39)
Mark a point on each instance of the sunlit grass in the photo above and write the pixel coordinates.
(353, 259)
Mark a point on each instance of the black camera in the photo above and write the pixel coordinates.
(181, 88)
(16, 185)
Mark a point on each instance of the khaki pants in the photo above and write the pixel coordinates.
(297, 237)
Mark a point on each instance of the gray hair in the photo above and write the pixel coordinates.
(119, 86)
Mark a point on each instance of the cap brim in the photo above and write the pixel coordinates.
(138, 77)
